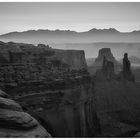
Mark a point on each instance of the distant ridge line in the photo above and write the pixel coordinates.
(72, 31)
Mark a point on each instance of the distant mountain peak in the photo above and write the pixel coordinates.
(110, 30)
(68, 36)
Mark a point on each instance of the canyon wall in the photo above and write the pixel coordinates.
(75, 58)
(27, 53)
(24, 63)
(65, 112)
(52, 85)
(55, 87)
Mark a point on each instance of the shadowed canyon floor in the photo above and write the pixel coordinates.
(117, 107)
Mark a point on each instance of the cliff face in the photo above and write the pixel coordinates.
(67, 112)
(55, 87)
(23, 63)
(41, 54)
(74, 58)
(117, 100)
(104, 52)
(52, 85)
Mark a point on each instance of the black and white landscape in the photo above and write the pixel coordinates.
(69, 70)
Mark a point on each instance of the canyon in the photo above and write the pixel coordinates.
(55, 87)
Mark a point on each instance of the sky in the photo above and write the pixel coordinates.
(79, 17)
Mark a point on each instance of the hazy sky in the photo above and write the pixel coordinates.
(74, 16)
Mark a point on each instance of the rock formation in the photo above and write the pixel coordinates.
(106, 52)
(27, 53)
(50, 84)
(117, 100)
(23, 63)
(127, 74)
(108, 68)
(54, 86)
(14, 122)
(74, 58)
(69, 110)
(106, 72)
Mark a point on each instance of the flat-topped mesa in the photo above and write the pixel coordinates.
(104, 52)
(74, 58)
(22, 63)
(27, 53)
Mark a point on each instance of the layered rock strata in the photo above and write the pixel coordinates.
(14, 122)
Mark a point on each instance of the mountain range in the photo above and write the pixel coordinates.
(67, 36)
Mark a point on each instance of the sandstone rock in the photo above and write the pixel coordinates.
(106, 72)
(74, 58)
(16, 123)
(3, 94)
(39, 132)
(21, 63)
(108, 68)
(127, 74)
(16, 119)
(9, 104)
(105, 52)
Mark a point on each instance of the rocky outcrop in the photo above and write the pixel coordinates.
(106, 52)
(14, 122)
(61, 95)
(41, 55)
(67, 111)
(74, 58)
(106, 72)
(25, 63)
(108, 68)
(117, 100)
(51, 85)
(127, 74)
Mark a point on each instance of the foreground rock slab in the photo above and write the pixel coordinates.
(14, 122)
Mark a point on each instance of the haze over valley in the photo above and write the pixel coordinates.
(90, 41)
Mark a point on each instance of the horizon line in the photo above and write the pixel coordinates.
(98, 29)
